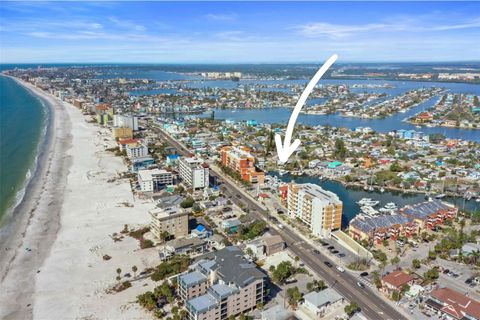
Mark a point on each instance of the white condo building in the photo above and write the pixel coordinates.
(154, 179)
(194, 172)
(125, 121)
(136, 150)
(320, 210)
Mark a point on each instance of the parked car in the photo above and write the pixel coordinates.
(361, 285)
(341, 255)
(334, 251)
(316, 251)
(328, 264)
(364, 274)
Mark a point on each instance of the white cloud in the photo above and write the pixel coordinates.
(221, 16)
(406, 24)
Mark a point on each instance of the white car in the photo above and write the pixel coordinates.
(340, 269)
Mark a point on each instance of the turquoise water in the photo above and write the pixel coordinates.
(22, 119)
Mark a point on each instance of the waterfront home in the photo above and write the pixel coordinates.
(183, 246)
(231, 226)
(142, 163)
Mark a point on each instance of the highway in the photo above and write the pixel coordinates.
(371, 305)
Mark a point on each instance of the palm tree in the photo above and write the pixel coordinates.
(134, 269)
(119, 271)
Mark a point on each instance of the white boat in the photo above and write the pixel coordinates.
(368, 202)
(391, 206)
(369, 210)
(382, 189)
(440, 196)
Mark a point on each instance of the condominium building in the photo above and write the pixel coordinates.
(173, 220)
(221, 285)
(122, 133)
(320, 210)
(241, 161)
(429, 214)
(136, 150)
(125, 121)
(194, 172)
(154, 180)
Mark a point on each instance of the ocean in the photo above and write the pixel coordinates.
(22, 125)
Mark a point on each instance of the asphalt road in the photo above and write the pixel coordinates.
(372, 306)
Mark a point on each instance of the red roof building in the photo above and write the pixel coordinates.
(396, 280)
(454, 304)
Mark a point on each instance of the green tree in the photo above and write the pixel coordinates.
(416, 264)
(134, 269)
(283, 271)
(351, 308)
(294, 296)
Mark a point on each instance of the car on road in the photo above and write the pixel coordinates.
(331, 248)
(364, 274)
(334, 251)
(340, 269)
(316, 251)
(361, 285)
(341, 255)
(328, 264)
(280, 226)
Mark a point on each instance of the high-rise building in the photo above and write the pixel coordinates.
(194, 172)
(320, 210)
(241, 161)
(125, 121)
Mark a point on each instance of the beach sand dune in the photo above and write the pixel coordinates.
(73, 278)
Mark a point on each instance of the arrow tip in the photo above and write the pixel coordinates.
(284, 151)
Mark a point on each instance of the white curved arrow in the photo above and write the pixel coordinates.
(284, 151)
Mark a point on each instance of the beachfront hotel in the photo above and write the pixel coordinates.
(194, 172)
(320, 210)
(154, 180)
(173, 220)
(240, 160)
(222, 284)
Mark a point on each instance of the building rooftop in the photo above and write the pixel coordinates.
(369, 223)
(456, 304)
(323, 297)
(317, 192)
(230, 266)
(221, 291)
(398, 278)
(424, 209)
(202, 303)
(164, 213)
(147, 175)
(192, 278)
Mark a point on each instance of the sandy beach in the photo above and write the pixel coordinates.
(69, 216)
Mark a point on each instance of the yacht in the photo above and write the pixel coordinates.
(368, 202)
(369, 210)
(440, 196)
(391, 206)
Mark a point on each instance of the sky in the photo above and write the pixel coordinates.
(235, 32)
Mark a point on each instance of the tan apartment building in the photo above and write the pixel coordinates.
(122, 133)
(320, 210)
(173, 220)
(222, 284)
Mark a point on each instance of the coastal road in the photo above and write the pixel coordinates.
(372, 306)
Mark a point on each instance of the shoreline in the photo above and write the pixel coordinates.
(34, 221)
(69, 227)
